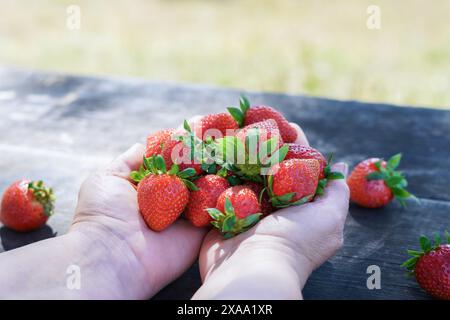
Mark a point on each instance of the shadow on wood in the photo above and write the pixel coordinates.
(12, 239)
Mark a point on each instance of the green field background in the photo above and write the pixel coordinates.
(320, 48)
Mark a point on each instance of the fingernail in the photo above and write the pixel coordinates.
(341, 167)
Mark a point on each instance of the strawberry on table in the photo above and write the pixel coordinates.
(246, 115)
(237, 210)
(162, 195)
(26, 205)
(210, 188)
(293, 182)
(374, 183)
(431, 266)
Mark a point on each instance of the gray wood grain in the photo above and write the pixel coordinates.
(61, 128)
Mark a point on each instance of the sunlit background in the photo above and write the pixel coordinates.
(313, 47)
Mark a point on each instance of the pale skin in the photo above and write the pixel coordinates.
(121, 258)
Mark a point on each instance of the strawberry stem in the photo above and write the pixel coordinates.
(393, 179)
(44, 196)
(227, 222)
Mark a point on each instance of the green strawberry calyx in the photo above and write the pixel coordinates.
(427, 246)
(251, 158)
(239, 113)
(394, 180)
(156, 165)
(329, 175)
(44, 196)
(285, 200)
(227, 222)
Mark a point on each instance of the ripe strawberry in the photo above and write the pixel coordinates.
(236, 211)
(156, 142)
(263, 197)
(162, 196)
(221, 122)
(210, 187)
(297, 151)
(265, 130)
(246, 115)
(431, 266)
(374, 183)
(168, 143)
(26, 205)
(293, 182)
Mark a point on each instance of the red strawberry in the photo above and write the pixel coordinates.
(157, 140)
(297, 151)
(374, 183)
(236, 211)
(166, 143)
(221, 123)
(431, 266)
(26, 205)
(246, 115)
(266, 205)
(210, 187)
(267, 129)
(293, 182)
(162, 196)
(178, 152)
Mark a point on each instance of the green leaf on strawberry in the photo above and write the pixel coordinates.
(426, 247)
(44, 196)
(394, 180)
(227, 222)
(156, 165)
(238, 114)
(329, 175)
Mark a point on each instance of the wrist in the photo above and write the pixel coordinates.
(106, 261)
(276, 260)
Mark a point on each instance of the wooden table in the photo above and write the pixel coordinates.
(60, 128)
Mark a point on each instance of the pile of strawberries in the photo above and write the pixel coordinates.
(229, 171)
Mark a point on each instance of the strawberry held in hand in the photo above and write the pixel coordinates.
(26, 205)
(246, 115)
(263, 197)
(210, 188)
(215, 125)
(237, 210)
(175, 146)
(293, 182)
(162, 196)
(374, 183)
(297, 151)
(431, 266)
(255, 147)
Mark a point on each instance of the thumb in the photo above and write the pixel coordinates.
(337, 191)
(127, 161)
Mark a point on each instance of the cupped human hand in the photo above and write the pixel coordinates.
(274, 259)
(107, 213)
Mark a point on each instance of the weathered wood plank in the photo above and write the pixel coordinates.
(60, 128)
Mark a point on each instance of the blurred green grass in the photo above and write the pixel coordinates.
(310, 47)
